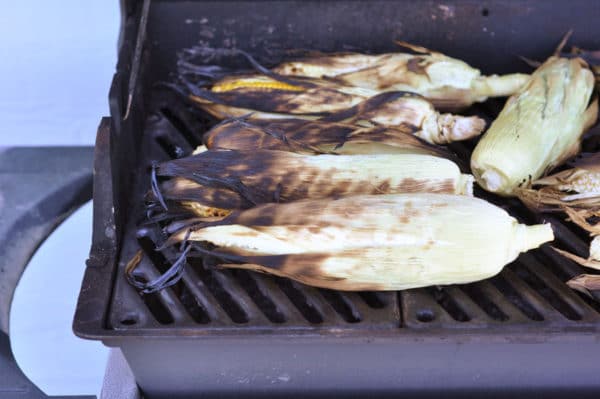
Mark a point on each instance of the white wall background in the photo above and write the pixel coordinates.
(56, 62)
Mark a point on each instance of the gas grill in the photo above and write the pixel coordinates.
(234, 332)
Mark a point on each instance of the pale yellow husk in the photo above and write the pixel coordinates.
(448, 82)
(538, 129)
(386, 242)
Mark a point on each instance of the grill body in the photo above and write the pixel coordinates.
(233, 332)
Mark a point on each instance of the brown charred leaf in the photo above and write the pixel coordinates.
(181, 189)
(315, 137)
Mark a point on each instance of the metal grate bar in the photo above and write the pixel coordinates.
(531, 297)
(382, 315)
(513, 313)
(267, 286)
(566, 236)
(330, 316)
(166, 297)
(240, 296)
(475, 313)
(204, 297)
(564, 292)
(236, 299)
(420, 310)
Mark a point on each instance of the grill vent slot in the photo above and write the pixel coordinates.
(447, 302)
(372, 299)
(474, 292)
(300, 300)
(261, 299)
(547, 293)
(341, 305)
(187, 132)
(515, 298)
(157, 308)
(224, 297)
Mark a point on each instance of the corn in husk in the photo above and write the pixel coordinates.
(262, 97)
(539, 128)
(212, 183)
(449, 83)
(317, 138)
(383, 242)
(407, 112)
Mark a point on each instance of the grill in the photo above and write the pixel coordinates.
(225, 332)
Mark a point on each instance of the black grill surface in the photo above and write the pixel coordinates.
(530, 292)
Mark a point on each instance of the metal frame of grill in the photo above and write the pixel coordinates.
(219, 331)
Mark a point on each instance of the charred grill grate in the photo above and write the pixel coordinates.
(531, 290)
(207, 297)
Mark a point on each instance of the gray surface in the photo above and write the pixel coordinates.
(58, 60)
(297, 367)
(119, 382)
(52, 356)
(38, 189)
(14, 384)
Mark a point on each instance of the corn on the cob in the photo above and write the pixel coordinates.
(383, 242)
(449, 83)
(539, 128)
(247, 178)
(238, 95)
(405, 111)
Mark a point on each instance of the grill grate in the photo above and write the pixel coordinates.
(531, 290)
